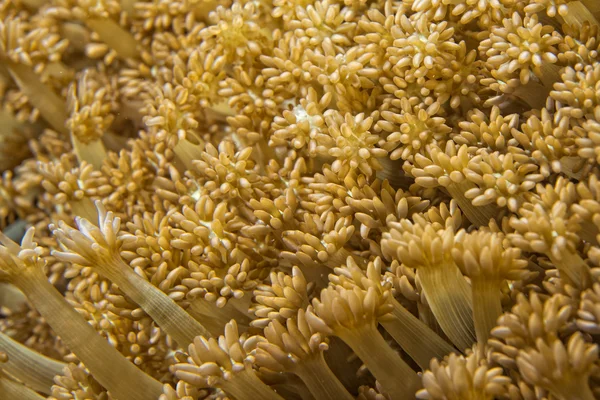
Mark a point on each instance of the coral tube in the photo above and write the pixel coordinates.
(34, 369)
(351, 315)
(295, 348)
(10, 389)
(420, 245)
(99, 247)
(488, 263)
(415, 337)
(22, 266)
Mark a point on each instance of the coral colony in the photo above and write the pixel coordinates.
(299, 199)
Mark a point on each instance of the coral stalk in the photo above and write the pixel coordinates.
(478, 215)
(93, 152)
(109, 367)
(320, 380)
(51, 106)
(167, 314)
(352, 314)
(187, 151)
(84, 208)
(214, 318)
(395, 376)
(247, 386)
(578, 13)
(114, 36)
(10, 389)
(10, 296)
(449, 297)
(487, 308)
(98, 247)
(417, 339)
(573, 268)
(35, 370)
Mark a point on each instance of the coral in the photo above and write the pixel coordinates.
(298, 199)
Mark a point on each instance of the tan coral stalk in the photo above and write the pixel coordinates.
(448, 294)
(351, 315)
(92, 152)
(99, 248)
(114, 36)
(84, 208)
(34, 369)
(22, 266)
(10, 296)
(295, 348)
(321, 381)
(414, 336)
(188, 150)
(10, 389)
(214, 318)
(480, 215)
(487, 262)
(247, 386)
(579, 12)
(51, 106)
(418, 340)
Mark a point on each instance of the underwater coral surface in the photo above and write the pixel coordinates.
(299, 199)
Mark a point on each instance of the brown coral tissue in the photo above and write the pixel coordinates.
(299, 199)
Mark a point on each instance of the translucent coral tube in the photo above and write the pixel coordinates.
(114, 36)
(163, 310)
(246, 386)
(320, 380)
(93, 152)
(113, 371)
(51, 106)
(10, 296)
(550, 75)
(479, 216)
(578, 12)
(214, 318)
(573, 268)
(487, 307)
(188, 151)
(577, 391)
(417, 339)
(34, 369)
(12, 390)
(449, 297)
(589, 232)
(533, 94)
(84, 208)
(395, 376)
